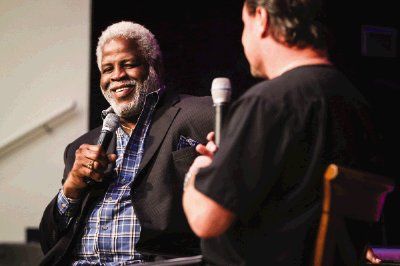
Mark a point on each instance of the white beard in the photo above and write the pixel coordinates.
(132, 109)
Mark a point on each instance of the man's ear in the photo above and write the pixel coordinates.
(261, 16)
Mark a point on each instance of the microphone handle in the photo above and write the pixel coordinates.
(105, 139)
(220, 110)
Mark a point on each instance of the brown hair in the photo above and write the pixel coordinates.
(293, 22)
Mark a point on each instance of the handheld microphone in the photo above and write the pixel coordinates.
(221, 95)
(110, 125)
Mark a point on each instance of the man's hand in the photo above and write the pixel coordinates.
(90, 161)
(210, 149)
(371, 257)
(207, 154)
(206, 218)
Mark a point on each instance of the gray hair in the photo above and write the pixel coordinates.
(145, 40)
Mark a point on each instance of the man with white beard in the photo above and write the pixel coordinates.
(131, 210)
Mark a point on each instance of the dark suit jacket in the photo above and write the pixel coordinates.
(157, 188)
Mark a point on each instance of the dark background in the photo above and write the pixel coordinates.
(200, 40)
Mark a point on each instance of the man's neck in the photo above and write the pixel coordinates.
(128, 125)
(280, 58)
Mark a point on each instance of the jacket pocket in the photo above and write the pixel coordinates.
(183, 159)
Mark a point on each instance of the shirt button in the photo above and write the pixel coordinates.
(110, 199)
(104, 227)
(63, 205)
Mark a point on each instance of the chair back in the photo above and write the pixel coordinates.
(20, 254)
(353, 200)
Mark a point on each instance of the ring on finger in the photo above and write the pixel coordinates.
(90, 165)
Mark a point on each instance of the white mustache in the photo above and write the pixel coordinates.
(117, 84)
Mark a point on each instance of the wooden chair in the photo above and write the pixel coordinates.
(351, 198)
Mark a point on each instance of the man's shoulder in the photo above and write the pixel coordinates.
(195, 107)
(302, 84)
(193, 102)
(194, 110)
(261, 91)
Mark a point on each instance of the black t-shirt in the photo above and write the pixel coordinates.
(278, 139)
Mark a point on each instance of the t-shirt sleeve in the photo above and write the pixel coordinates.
(251, 149)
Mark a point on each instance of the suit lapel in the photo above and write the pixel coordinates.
(161, 122)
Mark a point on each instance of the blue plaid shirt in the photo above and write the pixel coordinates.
(112, 228)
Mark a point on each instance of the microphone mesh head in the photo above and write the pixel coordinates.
(111, 122)
(221, 90)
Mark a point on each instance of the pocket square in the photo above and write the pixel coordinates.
(185, 142)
